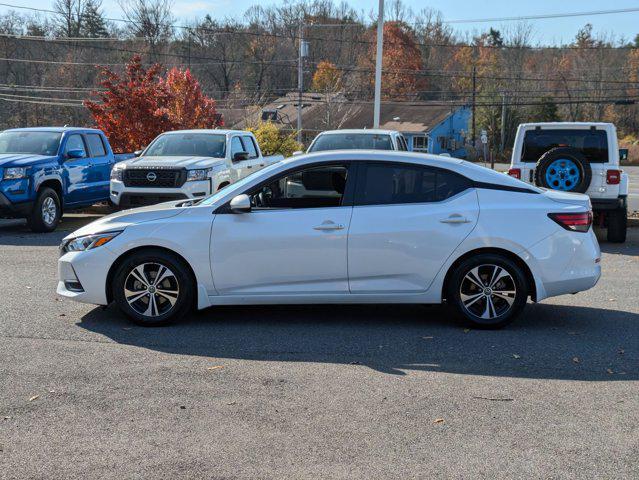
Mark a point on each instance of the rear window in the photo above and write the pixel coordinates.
(593, 144)
(352, 141)
(95, 145)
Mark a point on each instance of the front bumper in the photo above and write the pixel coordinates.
(9, 209)
(129, 197)
(82, 276)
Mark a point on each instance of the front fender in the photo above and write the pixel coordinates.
(49, 171)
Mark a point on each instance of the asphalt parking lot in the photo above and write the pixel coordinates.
(318, 392)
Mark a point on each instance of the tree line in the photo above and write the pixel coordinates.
(49, 58)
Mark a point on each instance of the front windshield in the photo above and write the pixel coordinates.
(351, 141)
(188, 145)
(34, 143)
(239, 184)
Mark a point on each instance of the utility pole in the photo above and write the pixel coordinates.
(502, 144)
(473, 134)
(300, 83)
(378, 65)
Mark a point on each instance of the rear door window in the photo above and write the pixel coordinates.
(395, 183)
(249, 146)
(95, 145)
(593, 144)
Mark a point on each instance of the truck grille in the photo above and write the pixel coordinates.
(154, 177)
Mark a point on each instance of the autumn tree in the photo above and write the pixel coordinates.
(401, 62)
(273, 141)
(135, 107)
(327, 78)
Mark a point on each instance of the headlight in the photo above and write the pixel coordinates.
(88, 242)
(116, 173)
(199, 174)
(13, 173)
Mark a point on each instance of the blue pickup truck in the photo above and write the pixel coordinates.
(45, 171)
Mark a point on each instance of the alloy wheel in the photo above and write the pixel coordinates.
(49, 211)
(151, 289)
(488, 291)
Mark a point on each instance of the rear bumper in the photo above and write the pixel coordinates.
(9, 209)
(603, 204)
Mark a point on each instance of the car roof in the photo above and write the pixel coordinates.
(209, 130)
(566, 124)
(53, 129)
(368, 131)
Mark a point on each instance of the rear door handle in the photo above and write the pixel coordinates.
(329, 226)
(456, 218)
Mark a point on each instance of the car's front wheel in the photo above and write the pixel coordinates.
(153, 287)
(488, 290)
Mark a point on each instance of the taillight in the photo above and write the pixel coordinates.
(575, 222)
(515, 172)
(613, 177)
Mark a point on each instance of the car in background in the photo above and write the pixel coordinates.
(579, 157)
(389, 227)
(46, 171)
(360, 139)
(186, 164)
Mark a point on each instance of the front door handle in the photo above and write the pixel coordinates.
(328, 225)
(455, 218)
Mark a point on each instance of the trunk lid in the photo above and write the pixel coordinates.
(568, 197)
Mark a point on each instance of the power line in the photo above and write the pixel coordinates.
(545, 16)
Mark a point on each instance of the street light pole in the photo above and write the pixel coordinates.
(300, 83)
(378, 65)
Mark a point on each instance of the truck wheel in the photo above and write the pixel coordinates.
(46, 212)
(617, 225)
(563, 168)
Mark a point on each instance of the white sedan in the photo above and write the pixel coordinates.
(342, 227)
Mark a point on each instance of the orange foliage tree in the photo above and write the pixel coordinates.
(133, 108)
(401, 62)
(327, 78)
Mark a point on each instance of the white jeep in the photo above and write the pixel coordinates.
(186, 164)
(576, 157)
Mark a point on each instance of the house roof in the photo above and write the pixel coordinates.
(345, 114)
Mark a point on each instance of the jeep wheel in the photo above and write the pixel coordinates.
(617, 225)
(46, 212)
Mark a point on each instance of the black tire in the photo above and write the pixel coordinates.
(112, 206)
(617, 225)
(165, 311)
(504, 311)
(548, 158)
(47, 211)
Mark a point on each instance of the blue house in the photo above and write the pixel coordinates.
(429, 127)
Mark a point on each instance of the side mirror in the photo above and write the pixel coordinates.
(241, 204)
(298, 152)
(76, 153)
(239, 156)
(623, 154)
(137, 153)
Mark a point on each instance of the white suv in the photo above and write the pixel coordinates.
(576, 157)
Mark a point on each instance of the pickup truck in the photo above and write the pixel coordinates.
(186, 164)
(46, 171)
(580, 157)
(358, 139)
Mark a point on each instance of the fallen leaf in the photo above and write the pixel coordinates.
(427, 338)
(62, 315)
(35, 397)
(6, 418)
(621, 351)
(182, 407)
(609, 370)
(355, 363)
(51, 391)
(612, 299)
(216, 367)
(231, 403)
(126, 328)
(516, 356)
(466, 330)
(576, 359)
(438, 420)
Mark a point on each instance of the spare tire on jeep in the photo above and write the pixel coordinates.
(563, 168)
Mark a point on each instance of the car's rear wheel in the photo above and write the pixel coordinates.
(153, 287)
(488, 290)
(46, 212)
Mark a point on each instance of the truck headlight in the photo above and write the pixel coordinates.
(196, 175)
(13, 173)
(116, 173)
(88, 242)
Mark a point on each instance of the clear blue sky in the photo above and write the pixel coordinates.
(547, 31)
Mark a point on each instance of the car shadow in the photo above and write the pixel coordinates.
(546, 342)
(16, 232)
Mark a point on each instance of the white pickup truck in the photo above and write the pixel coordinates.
(576, 157)
(186, 164)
